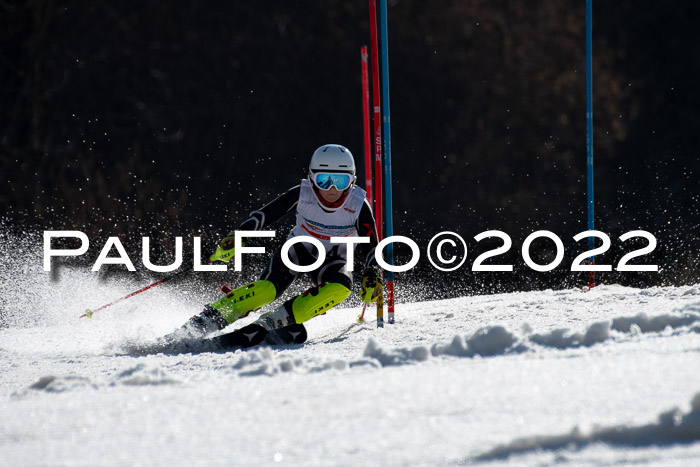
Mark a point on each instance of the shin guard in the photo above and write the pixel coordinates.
(238, 303)
(317, 301)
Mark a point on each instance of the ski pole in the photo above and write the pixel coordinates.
(90, 312)
(380, 310)
(361, 317)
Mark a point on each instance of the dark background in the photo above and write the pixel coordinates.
(137, 118)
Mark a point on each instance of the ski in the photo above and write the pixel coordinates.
(255, 334)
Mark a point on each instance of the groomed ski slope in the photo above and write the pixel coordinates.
(607, 376)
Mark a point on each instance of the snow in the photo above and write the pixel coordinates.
(606, 376)
(671, 427)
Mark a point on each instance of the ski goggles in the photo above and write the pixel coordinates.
(324, 181)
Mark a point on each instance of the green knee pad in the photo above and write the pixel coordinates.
(238, 303)
(318, 300)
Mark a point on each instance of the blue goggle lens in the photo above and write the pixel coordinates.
(325, 181)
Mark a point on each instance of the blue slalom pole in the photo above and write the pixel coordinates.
(589, 128)
(386, 118)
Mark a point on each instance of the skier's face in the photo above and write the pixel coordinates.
(331, 195)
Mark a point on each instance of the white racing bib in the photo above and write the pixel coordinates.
(313, 221)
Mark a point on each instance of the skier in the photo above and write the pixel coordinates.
(328, 204)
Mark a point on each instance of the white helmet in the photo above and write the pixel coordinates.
(332, 165)
(332, 158)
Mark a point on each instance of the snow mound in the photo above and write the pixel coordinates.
(262, 362)
(657, 323)
(143, 375)
(396, 356)
(488, 341)
(139, 375)
(497, 340)
(266, 362)
(564, 338)
(671, 427)
(52, 383)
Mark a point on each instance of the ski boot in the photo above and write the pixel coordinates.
(236, 304)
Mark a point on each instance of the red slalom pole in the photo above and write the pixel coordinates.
(90, 312)
(365, 129)
(377, 115)
(365, 125)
